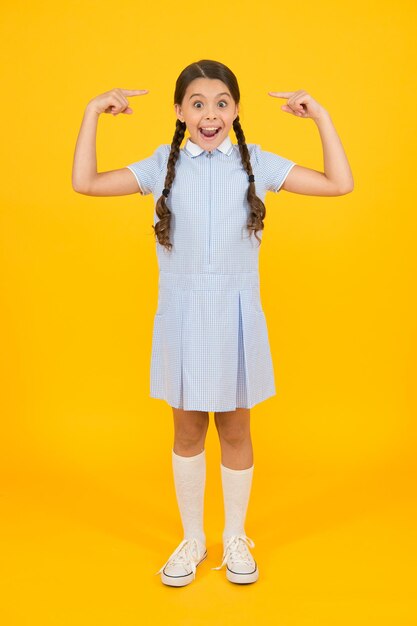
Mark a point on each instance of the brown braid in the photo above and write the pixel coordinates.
(162, 227)
(258, 209)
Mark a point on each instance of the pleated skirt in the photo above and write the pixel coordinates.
(210, 345)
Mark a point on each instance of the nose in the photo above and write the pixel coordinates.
(210, 113)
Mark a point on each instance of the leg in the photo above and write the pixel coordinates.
(235, 438)
(189, 467)
(236, 468)
(190, 431)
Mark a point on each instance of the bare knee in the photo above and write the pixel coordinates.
(190, 431)
(233, 426)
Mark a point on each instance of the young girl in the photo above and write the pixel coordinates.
(210, 349)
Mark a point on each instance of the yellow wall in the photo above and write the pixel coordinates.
(79, 289)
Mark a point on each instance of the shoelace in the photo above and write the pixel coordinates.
(237, 549)
(183, 554)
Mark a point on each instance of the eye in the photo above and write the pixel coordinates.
(224, 102)
(197, 102)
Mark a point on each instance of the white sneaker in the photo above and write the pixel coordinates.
(240, 565)
(180, 568)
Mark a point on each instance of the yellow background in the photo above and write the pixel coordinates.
(88, 509)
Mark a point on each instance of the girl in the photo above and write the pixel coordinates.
(210, 349)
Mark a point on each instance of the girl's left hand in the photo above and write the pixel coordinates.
(299, 103)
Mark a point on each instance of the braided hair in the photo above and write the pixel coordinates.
(215, 70)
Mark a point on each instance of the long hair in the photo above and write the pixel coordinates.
(215, 70)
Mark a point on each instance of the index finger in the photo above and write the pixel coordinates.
(281, 94)
(134, 92)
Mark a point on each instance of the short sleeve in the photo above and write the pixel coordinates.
(274, 169)
(147, 171)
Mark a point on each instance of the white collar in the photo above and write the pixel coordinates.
(194, 150)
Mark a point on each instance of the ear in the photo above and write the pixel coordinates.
(178, 112)
(237, 111)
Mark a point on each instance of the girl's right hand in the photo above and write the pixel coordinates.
(115, 101)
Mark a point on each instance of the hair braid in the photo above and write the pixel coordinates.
(258, 209)
(162, 227)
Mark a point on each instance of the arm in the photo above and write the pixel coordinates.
(337, 178)
(85, 178)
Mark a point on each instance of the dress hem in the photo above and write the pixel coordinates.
(215, 410)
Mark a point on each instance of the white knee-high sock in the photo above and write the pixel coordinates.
(190, 480)
(236, 490)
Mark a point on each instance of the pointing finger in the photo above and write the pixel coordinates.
(134, 92)
(281, 94)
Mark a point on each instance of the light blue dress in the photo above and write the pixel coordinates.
(210, 346)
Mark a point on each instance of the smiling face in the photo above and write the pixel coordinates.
(207, 104)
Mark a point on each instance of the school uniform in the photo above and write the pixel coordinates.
(210, 347)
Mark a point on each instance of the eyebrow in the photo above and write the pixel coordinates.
(223, 93)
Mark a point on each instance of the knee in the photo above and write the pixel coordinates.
(233, 434)
(189, 435)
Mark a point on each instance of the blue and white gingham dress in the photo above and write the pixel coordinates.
(210, 347)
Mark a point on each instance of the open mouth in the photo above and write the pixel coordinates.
(209, 132)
